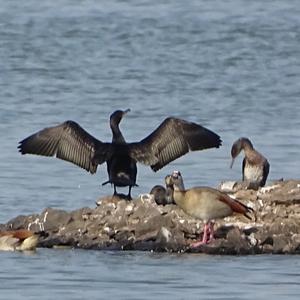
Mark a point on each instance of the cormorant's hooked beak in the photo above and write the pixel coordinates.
(231, 163)
(126, 111)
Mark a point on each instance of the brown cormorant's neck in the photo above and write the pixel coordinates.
(247, 146)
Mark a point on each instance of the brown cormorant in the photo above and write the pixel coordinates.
(69, 141)
(255, 166)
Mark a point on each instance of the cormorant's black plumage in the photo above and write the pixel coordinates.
(69, 141)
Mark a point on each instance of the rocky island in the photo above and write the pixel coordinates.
(141, 224)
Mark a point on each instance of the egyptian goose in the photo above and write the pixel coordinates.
(21, 240)
(207, 204)
(163, 195)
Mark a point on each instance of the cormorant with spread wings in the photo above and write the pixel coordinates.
(69, 141)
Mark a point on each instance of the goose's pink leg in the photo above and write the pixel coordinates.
(211, 232)
(206, 233)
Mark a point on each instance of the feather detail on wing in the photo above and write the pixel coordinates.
(67, 141)
(172, 139)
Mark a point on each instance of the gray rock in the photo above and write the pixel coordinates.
(141, 224)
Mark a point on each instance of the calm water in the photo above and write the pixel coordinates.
(233, 66)
(109, 275)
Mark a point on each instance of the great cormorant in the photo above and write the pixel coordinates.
(69, 141)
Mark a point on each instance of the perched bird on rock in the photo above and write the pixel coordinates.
(207, 204)
(163, 195)
(69, 141)
(255, 166)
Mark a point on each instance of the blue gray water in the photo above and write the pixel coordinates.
(81, 274)
(232, 66)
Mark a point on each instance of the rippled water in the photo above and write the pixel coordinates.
(92, 275)
(232, 66)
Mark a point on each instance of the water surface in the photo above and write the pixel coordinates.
(232, 66)
(85, 274)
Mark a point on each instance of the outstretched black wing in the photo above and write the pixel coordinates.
(172, 139)
(70, 142)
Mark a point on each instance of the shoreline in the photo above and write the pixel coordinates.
(143, 225)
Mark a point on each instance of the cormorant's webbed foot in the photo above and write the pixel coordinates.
(106, 182)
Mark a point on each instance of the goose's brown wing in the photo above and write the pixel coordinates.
(172, 139)
(21, 234)
(236, 205)
(70, 142)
